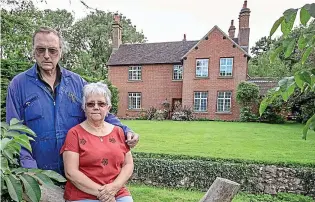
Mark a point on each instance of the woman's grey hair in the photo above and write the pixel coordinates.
(62, 43)
(98, 88)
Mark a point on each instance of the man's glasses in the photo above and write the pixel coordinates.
(51, 51)
(92, 104)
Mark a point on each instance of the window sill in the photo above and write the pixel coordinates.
(197, 112)
(135, 110)
(177, 80)
(134, 81)
(223, 112)
(225, 77)
(200, 78)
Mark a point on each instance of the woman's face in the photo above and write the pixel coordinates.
(96, 108)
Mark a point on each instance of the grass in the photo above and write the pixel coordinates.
(272, 143)
(159, 194)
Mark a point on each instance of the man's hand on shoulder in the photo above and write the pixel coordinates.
(132, 139)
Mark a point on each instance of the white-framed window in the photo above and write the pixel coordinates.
(224, 101)
(178, 72)
(200, 101)
(202, 67)
(134, 73)
(134, 100)
(226, 66)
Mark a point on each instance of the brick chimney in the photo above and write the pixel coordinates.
(117, 29)
(244, 30)
(232, 30)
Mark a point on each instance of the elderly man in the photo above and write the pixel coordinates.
(47, 98)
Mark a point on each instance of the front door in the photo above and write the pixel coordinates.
(176, 103)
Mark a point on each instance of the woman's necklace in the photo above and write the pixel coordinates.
(97, 128)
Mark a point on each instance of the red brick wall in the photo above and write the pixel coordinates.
(155, 87)
(214, 48)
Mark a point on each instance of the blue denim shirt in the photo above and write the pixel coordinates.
(29, 100)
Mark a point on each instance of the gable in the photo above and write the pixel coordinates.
(233, 41)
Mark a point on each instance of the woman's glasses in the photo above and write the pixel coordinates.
(92, 104)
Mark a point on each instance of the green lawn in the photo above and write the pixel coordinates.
(157, 194)
(250, 141)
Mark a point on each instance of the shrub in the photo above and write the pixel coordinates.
(273, 112)
(247, 116)
(199, 173)
(150, 113)
(160, 115)
(247, 95)
(183, 114)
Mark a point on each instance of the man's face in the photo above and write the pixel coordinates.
(47, 50)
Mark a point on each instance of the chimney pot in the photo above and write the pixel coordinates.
(245, 4)
(117, 18)
(232, 22)
(184, 37)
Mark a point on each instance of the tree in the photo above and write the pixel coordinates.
(90, 43)
(263, 45)
(260, 64)
(19, 24)
(303, 79)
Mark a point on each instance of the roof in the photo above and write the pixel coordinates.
(264, 83)
(160, 53)
(150, 53)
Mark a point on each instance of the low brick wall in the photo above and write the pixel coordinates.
(199, 175)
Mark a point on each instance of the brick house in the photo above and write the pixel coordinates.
(201, 74)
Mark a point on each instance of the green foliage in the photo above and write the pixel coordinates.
(247, 95)
(286, 64)
(304, 79)
(261, 46)
(88, 40)
(302, 105)
(246, 115)
(178, 156)
(20, 180)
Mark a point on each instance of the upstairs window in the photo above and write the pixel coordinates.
(226, 66)
(202, 67)
(134, 73)
(178, 72)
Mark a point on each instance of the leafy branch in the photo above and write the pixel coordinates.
(304, 79)
(16, 180)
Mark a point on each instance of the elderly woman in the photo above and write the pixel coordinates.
(97, 161)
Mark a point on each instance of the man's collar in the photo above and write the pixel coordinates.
(58, 69)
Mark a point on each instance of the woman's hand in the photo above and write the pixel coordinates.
(108, 192)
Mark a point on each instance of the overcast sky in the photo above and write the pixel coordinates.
(169, 20)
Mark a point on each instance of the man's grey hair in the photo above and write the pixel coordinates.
(62, 43)
(98, 88)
